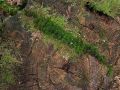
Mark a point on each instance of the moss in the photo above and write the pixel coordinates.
(108, 7)
(54, 26)
(110, 71)
(7, 63)
(12, 10)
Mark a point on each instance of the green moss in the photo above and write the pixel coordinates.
(8, 8)
(110, 71)
(7, 63)
(1, 1)
(54, 26)
(108, 7)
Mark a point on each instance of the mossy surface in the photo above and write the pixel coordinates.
(7, 65)
(54, 26)
(108, 7)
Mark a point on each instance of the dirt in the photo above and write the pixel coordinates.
(44, 68)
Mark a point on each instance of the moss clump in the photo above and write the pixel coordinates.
(12, 10)
(7, 63)
(54, 26)
(108, 7)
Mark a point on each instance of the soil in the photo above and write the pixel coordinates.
(44, 68)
